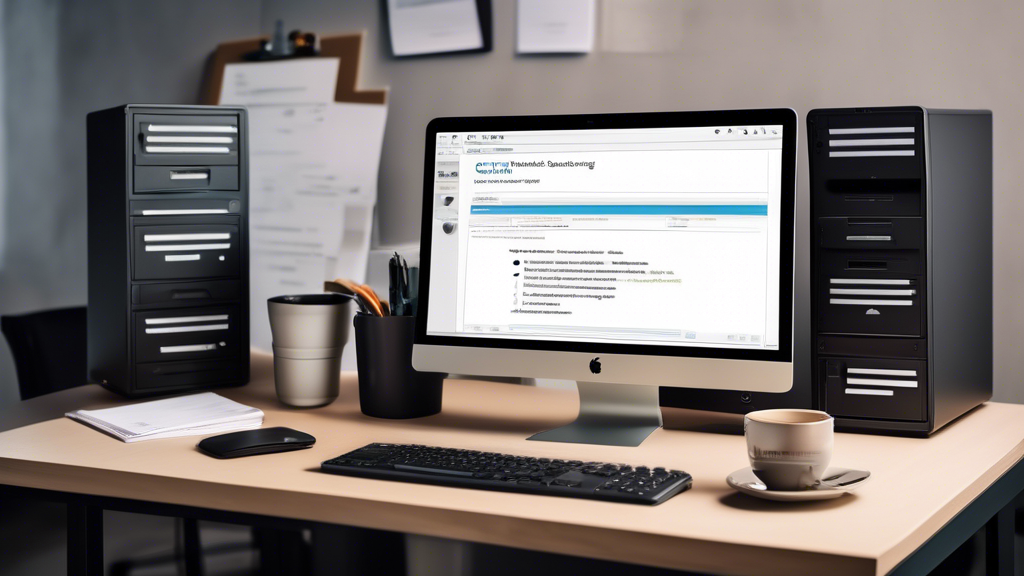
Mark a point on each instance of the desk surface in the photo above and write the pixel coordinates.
(917, 485)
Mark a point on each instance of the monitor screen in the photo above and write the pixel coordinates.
(579, 239)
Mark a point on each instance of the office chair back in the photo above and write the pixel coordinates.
(48, 348)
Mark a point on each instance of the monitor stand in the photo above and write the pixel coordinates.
(611, 415)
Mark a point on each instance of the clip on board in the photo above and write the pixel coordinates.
(347, 49)
(418, 28)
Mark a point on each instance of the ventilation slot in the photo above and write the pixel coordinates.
(871, 292)
(185, 319)
(888, 130)
(868, 392)
(189, 139)
(187, 348)
(187, 149)
(880, 379)
(182, 329)
(190, 175)
(871, 142)
(185, 247)
(198, 129)
(184, 212)
(186, 237)
(885, 281)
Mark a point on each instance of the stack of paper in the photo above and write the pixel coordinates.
(193, 415)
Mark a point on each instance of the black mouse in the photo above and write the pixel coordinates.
(252, 442)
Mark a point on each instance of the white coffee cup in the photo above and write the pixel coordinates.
(789, 449)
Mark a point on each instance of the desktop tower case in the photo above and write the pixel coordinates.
(901, 265)
(910, 210)
(168, 306)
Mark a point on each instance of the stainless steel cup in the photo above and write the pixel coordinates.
(789, 449)
(309, 333)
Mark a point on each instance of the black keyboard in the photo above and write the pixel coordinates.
(510, 473)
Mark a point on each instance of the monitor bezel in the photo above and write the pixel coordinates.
(785, 117)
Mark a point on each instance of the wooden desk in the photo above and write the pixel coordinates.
(925, 495)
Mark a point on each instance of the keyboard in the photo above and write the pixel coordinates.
(510, 473)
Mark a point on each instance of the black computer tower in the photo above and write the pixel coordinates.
(901, 265)
(168, 307)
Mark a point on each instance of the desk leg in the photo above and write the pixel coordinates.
(193, 547)
(999, 533)
(85, 540)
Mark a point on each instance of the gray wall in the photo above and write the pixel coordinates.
(793, 53)
(800, 54)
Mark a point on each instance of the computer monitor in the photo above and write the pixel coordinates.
(622, 251)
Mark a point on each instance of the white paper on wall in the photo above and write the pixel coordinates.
(555, 26)
(312, 179)
(433, 26)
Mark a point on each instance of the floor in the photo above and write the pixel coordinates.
(32, 542)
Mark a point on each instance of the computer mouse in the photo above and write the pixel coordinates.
(253, 442)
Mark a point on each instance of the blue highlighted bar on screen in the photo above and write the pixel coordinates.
(628, 209)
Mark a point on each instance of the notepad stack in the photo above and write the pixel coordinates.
(194, 415)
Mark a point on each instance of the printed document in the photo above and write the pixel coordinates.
(312, 178)
(555, 26)
(432, 26)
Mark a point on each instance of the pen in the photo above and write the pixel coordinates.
(405, 285)
(414, 291)
(394, 288)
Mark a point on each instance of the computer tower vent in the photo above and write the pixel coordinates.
(871, 141)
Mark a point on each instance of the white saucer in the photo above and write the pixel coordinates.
(833, 484)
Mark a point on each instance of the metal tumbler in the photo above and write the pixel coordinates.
(309, 332)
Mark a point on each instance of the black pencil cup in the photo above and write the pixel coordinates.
(388, 385)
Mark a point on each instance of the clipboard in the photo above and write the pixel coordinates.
(346, 48)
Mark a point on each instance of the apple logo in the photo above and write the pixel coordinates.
(595, 365)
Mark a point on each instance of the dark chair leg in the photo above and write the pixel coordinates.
(193, 549)
(85, 540)
(999, 543)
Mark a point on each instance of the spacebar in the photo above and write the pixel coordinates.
(443, 471)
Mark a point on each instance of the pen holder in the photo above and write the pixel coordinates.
(389, 387)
